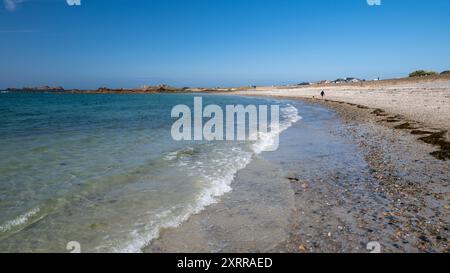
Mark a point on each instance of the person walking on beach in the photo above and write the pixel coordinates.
(322, 94)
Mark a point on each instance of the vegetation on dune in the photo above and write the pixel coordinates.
(421, 73)
(445, 72)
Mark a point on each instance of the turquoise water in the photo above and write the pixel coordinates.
(103, 170)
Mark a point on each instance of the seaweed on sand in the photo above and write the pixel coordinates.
(420, 132)
(379, 113)
(438, 139)
(405, 126)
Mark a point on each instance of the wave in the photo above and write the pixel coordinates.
(219, 173)
(266, 141)
(180, 153)
(20, 221)
(217, 184)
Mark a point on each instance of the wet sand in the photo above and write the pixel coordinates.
(361, 178)
(410, 187)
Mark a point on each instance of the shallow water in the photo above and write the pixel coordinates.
(103, 170)
(260, 212)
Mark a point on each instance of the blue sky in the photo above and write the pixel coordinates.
(120, 43)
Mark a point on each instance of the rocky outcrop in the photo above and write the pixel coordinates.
(45, 88)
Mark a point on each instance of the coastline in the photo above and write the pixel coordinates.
(346, 175)
(426, 102)
(410, 177)
(382, 186)
(421, 106)
(225, 135)
(408, 160)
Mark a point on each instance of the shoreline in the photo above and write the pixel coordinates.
(436, 137)
(424, 102)
(389, 190)
(346, 175)
(391, 145)
(421, 107)
(409, 168)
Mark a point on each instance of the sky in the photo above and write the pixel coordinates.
(130, 43)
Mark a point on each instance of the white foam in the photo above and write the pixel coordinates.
(265, 141)
(19, 221)
(220, 180)
(219, 184)
(177, 154)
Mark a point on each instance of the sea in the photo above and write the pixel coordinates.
(102, 170)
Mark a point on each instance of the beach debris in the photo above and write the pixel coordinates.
(434, 139)
(405, 126)
(438, 139)
(302, 248)
(379, 113)
(391, 120)
(293, 178)
(421, 132)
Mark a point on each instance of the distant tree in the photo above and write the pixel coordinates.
(445, 72)
(421, 73)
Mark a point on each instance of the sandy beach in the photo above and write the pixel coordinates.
(421, 100)
(231, 130)
(361, 166)
(401, 131)
(421, 105)
(359, 180)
